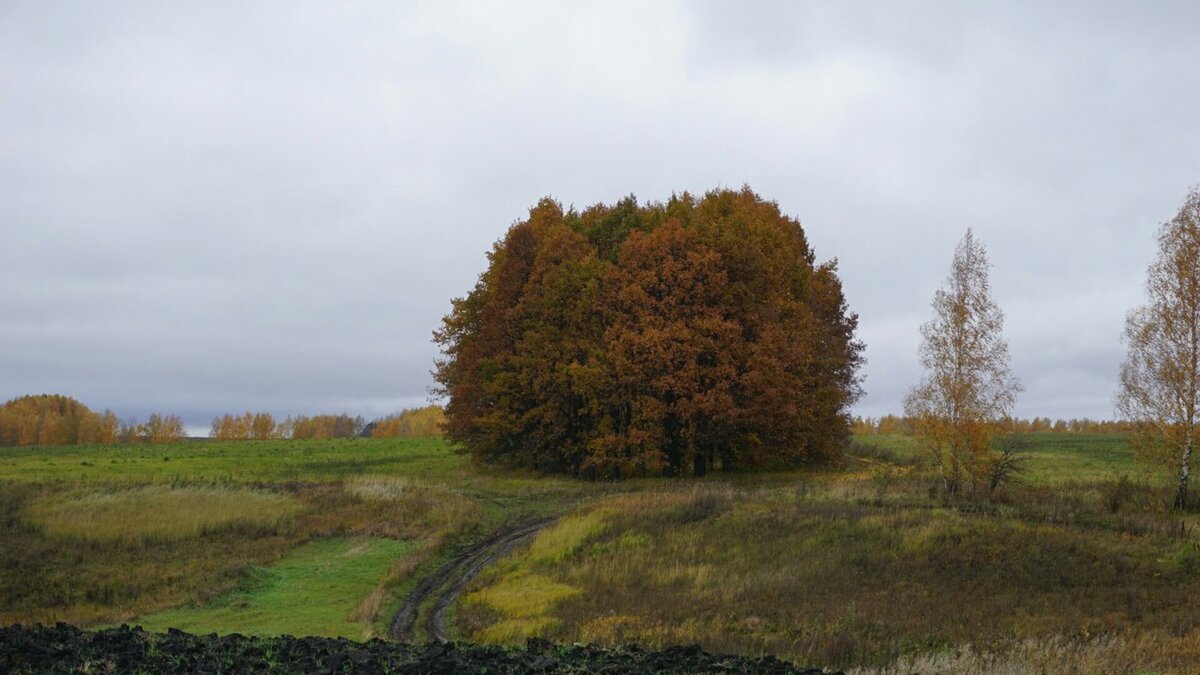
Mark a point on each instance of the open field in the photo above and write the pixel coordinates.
(857, 566)
(1072, 569)
(1054, 458)
(105, 534)
(845, 572)
(280, 461)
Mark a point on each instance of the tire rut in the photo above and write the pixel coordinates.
(447, 582)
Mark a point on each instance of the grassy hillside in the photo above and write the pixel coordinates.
(1076, 569)
(105, 534)
(855, 566)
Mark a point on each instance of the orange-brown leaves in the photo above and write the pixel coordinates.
(1160, 378)
(60, 420)
(427, 421)
(967, 388)
(638, 339)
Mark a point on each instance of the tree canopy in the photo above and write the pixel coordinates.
(967, 389)
(51, 419)
(1160, 378)
(410, 422)
(48, 419)
(262, 426)
(633, 339)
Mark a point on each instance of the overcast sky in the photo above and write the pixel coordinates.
(230, 206)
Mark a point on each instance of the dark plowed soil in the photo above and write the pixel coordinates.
(66, 649)
(447, 582)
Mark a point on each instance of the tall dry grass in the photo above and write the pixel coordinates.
(161, 512)
(1057, 655)
(850, 571)
(389, 506)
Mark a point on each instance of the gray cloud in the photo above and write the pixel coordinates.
(214, 207)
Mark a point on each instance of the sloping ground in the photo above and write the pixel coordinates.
(447, 582)
(66, 649)
(314, 590)
(852, 571)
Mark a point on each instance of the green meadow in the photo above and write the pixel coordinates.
(1079, 565)
(315, 590)
(1052, 458)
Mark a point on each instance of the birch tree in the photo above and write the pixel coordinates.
(1161, 372)
(967, 388)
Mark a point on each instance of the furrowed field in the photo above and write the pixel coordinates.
(1081, 567)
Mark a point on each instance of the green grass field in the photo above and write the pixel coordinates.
(1053, 458)
(317, 589)
(278, 461)
(856, 566)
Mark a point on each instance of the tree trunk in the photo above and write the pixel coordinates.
(701, 465)
(1184, 470)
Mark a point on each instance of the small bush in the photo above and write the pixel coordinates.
(1118, 494)
(701, 505)
(864, 451)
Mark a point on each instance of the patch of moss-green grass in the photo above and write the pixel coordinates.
(315, 590)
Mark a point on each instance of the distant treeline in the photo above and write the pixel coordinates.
(60, 420)
(263, 426)
(425, 421)
(896, 424)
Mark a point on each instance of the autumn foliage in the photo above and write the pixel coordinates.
(251, 426)
(60, 420)
(411, 422)
(1160, 378)
(967, 390)
(644, 339)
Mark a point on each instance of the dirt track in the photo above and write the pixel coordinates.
(447, 582)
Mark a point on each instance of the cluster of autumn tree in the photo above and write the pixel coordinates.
(413, 422)
(60, 420)
(633, 339)
(262, 426)
(426, 421)
(897, 424)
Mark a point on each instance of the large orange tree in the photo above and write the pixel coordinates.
(633, 339)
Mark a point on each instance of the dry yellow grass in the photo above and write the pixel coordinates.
(853, 571)
(525, 602)
(389, 488)
(1057, 655)
(405, 508)
(564, 538)
(160, 512)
